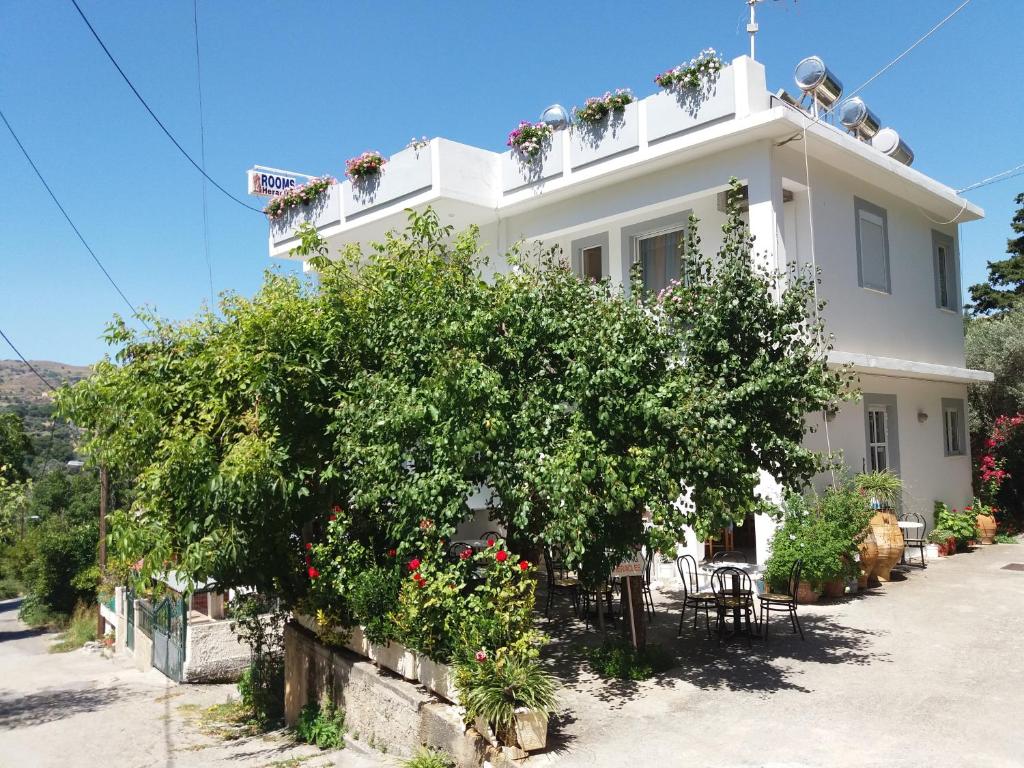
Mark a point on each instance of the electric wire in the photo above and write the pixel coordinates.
(26, 362)
(1002, 176)
(202, 154)
(153, 114)
(57, 202)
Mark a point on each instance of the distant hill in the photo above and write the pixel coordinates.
(19, 386)
(22, 392)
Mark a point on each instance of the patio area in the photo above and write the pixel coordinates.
(921, 671)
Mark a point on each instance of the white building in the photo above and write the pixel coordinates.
(883, 234)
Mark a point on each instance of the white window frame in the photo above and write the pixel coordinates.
(647, 235)
(875, 215)
(589, 249)
(874, 445)
(954, 435)
(946, 275)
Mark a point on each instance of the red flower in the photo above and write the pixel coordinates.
(392, 552)
(309, 560)
(490, 542)
(309, 546)
(466, 553)
(336, 509)
(501, 556)
(414, 564)
(523, 565)
(332, 518)
(313, 572)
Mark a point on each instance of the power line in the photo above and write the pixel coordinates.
(202, 154)
(26, 362)
(70, 222)
(153, 114)
(1002, 176)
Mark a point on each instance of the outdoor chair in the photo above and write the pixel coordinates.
(687, 566)
(488, 535)
(915, 538)
(729, 556)
(734, 594)
(778, 602)
(648, 598)
(457, 549)
(559, 581)
(595, 592)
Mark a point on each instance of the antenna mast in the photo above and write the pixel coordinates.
(752, 25)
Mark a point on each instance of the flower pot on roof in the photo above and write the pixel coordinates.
(694, 74)
(598, 110)
(298, 197)
(530, 140)
(365, 167)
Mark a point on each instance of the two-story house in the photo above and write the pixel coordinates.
(883, 235)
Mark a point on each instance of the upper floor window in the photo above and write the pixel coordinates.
(660, 258)
(947, 288)
(872, 246)
(590, 256)
(953, 427)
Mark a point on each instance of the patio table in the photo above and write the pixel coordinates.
(753, 569)
(909, 525)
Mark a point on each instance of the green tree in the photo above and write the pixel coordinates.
(15, 447)
(995, 344)
(1005, 285)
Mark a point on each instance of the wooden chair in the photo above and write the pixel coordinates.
(559, 581)
(779, 602)
(687, 566)
(729, 556)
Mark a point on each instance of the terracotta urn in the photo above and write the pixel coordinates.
(834, 589)
(889, 539)
(868, 559)
(807, 594)
(986, 525)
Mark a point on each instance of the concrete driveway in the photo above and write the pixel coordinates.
(82, 709)
(925, 671)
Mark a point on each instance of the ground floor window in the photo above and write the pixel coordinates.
(953, 427)
(881, 433)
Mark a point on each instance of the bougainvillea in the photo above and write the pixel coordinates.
(991, 467)
(296, 196)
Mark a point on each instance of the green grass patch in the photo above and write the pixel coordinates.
(618, 659)
(429, 758)
(80, 630)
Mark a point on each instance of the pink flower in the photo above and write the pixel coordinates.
(481, 655)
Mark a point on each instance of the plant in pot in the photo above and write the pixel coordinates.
(943, 540)
(963, 526)
(374, 598)
(597, 108)
(984, 521)
(509, 694)
(530, 139)
(883, 490)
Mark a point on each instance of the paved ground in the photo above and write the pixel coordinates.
(922, 672)
(81, 709)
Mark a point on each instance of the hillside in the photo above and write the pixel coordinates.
(19, 386)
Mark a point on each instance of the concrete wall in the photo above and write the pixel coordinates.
(380, 709)
(213, 653)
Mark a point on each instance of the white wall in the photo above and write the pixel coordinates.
(928, 475)
(904, 324)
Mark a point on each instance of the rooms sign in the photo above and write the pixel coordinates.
(270, 183)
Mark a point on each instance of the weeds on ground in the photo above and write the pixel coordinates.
(321, 724)
(429, 758)
(80, 630)
(229, 721)
(618, 659)
(1007, 538)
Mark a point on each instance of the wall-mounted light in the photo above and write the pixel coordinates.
(922, 416)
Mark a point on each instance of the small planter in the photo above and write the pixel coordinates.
(806, 594)
(357, 642)
(408, 664)
(531, 729)
(933, 551)
(986, 529)
(390, 656)
(438, 678)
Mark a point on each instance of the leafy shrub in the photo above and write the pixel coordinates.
(620, 660)
(322, 725)
(9, 588)
(940, 535)
(494, 688)
(374, 600)
(823, 532)
(62, 570)
(1007, 538)
(963, 525)
(429, 758)
(258, 623)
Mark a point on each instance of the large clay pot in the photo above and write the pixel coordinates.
(806, 594)
(986, 529)
(868, 559)
(889, 540)
(834, 589)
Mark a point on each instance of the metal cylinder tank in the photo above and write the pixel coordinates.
(812, 76)
(855, 116)
(888, 142)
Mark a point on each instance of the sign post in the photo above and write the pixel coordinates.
(632, 572)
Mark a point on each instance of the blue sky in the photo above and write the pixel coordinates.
(305, 85)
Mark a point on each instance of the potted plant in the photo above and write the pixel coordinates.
(509, 694)
(940, 538)
(364, 166)
(963, 526)
(529, 139)
(694, 73)
(304, 194)
(596, 108)
(984, 521)
(883, 490)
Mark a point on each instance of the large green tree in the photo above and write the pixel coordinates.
(405, 381)
(15, 447)
(1005, 285)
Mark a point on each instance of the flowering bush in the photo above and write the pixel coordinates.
(364, 165)
(991, 468)
(690, 75)
(596, 107)
(300, 195)
(529, 138)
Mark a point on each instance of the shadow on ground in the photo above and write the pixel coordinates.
(766, 666)
(21, 710)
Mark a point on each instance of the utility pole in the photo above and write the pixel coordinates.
(104, 500)
(752, 25)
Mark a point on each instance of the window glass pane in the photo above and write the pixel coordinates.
(943, 278)
(591, 263)
(659, 258)
(872, 251)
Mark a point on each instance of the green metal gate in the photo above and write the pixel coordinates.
(129, 614)
(170, 623)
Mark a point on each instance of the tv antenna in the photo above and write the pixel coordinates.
(752, 25)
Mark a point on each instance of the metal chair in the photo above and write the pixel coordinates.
(779, 602)
(559, 581)
(595, 592)
(648, 598)
(916, 540)
(687, 566)
(488, 535)
(734, 593)
(457, 550)
(729, 556)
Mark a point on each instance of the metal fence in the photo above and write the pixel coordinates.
(144, 618)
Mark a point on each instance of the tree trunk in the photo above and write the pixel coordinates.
(634, 622)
